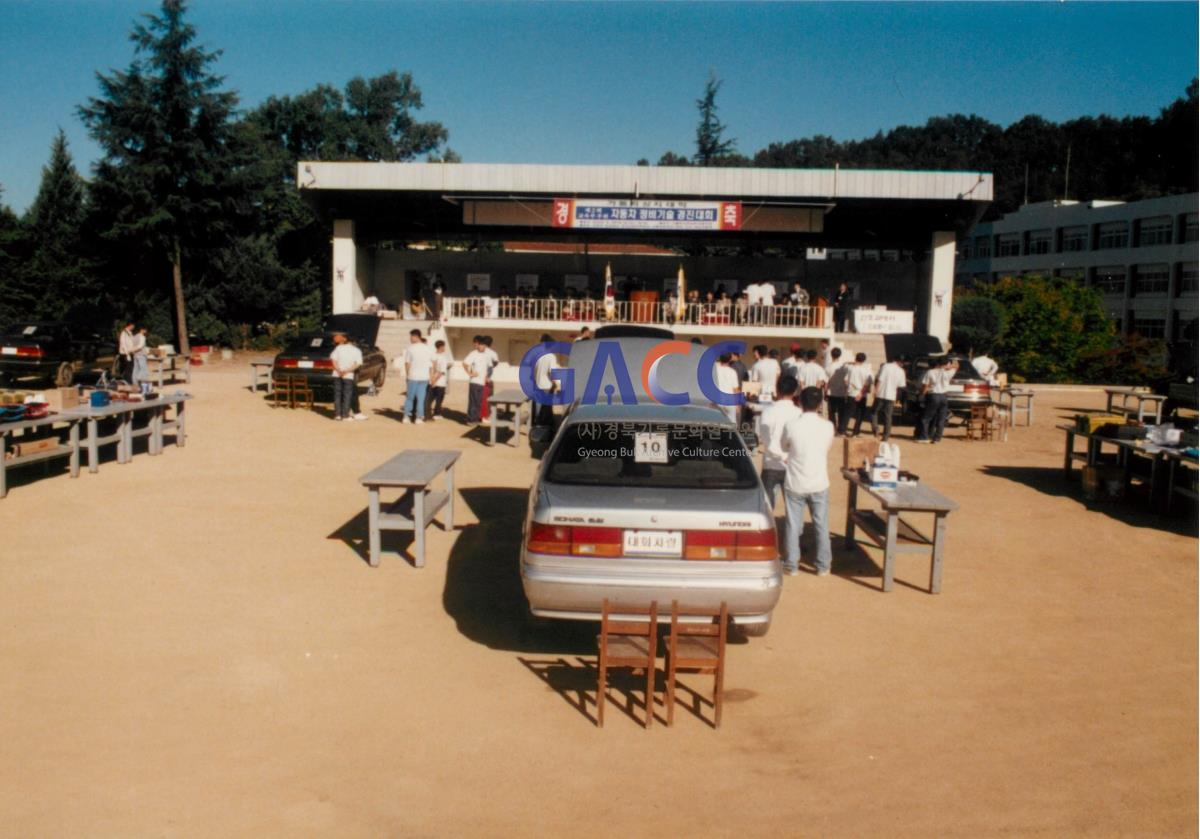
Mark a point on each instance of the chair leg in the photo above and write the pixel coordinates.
(670, 690)
(650, 671)
(601, 692)
(718, 693)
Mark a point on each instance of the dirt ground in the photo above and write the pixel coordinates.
(193, 645)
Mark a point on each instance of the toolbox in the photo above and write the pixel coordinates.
(1088, 423)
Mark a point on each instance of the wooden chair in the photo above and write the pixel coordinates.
(290, 390)
(980, 423)
(627, 643)
(700, 648)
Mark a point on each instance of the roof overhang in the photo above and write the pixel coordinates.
(815, 207)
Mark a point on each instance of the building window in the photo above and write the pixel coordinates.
(1039, 241)
(1070, 273)
(1074, 239)
(1188, 225)
(1154, 231)
(1008, 244)
(1151, 279)
(964, 251)
(1109, 279)
(1150, 327)
(1112, 234)
(1187, 278)
(983, 247)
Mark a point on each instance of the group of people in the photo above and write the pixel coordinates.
(426, 369)
(133, 356)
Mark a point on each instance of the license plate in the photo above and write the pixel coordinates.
(8, 351)
(954, 389)
(305, 364)
(654, 542)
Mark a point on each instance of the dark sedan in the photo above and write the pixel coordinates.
(308, 355)
(52, 351)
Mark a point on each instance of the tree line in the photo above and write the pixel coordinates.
(191, 223)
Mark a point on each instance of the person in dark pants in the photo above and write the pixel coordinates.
(439, 376)
(476, 367)
(858, 391)
(543, 413)
(125, 350)
(841, 307)
(934, 386)
(837, 371)
(888, 385)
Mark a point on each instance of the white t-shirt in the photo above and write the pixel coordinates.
(790, 366)
(493, 358)
(938, 379)
(441, 367)
(541, 371)
(985, 366)
(766, 294)
(811, 374)
(727, 379)
(891, 379)
(838, 377)
(346, 357)
(857, 379)
(806, 441)
(774, 420)
(419, 360)
(766, 371)
(477, 366)
(753, 294)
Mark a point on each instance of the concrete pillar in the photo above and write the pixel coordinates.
(347, 289)
(941, 285)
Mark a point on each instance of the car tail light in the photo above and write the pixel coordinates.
(325, 364)
(29, 352)
(730, 544)
(975, 387)
(286, 362)
(574, 541)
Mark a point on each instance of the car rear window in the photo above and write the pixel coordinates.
(651, 454)
(311, 343)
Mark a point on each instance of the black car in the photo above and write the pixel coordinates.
(967, 388)
(308, 355)
(53, 351)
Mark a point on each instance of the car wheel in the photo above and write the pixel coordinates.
(65, 375)
(380, 376)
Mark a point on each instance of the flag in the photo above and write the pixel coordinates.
(610, 295)
(681, 294)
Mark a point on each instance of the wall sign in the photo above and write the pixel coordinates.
(882, 321)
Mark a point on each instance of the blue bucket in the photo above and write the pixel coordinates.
(100, 399)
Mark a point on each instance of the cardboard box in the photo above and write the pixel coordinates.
(62, 399)
(857, 449)
(34, 446)
(1103, 482)
(1088, 423)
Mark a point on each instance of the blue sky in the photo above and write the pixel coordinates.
(613, 82)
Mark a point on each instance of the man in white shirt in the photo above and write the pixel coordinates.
(858, 390)
(544, 413)
(493, 359)
(986, 367)
(476, 366)
(439, 376)
(754, 301)
(774, 418)
(811, 374)
(125, 352)
(888, 384)
(836, 370)
(727, 379)
(805, 444)
(766, 372)
(934, 385)
(418, 364)
(346, 359)
(766, 296)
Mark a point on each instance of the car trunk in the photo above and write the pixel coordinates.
(654, 508)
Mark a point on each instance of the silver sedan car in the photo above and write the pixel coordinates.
(645, 502)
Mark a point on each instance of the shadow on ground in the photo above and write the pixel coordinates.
(1132, 510)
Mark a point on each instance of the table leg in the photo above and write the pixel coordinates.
(181, 423)
(492, 425)
(3, 465)
(889, 550)
(125, 440)
(373, 539)
(450, 498)
(73, 442)
(419, 526)
(157, 420)
(851, 502)
(517, 424)
(92, 447)
(270, 382)
(1069, 452)
(939, 546)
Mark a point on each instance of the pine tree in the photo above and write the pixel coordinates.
(710, 143)
(57, 271)
(168, 182)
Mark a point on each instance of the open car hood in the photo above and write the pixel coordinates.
(910, 345)
(362, 329)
